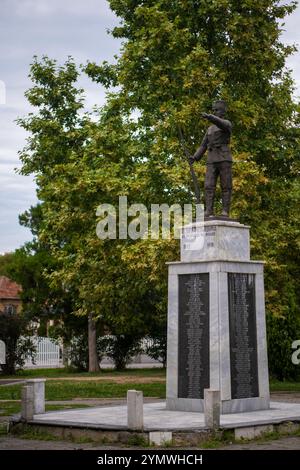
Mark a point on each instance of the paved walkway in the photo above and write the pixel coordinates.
(157, 417)
(13, 443)
(11, 381)
(285, 443)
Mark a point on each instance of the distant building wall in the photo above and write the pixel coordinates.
(10, 301)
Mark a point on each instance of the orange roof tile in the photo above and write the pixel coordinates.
(9, 289)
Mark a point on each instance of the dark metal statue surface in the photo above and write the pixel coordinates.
(219, 159)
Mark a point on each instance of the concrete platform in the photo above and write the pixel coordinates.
(157, 418)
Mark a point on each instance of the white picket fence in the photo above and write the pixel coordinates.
(48, 354)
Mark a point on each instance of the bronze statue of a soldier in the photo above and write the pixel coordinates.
(219, 158)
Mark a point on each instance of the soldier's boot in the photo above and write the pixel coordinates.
(209, 203)
(226, 198)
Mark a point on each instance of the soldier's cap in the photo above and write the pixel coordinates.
(220, 103)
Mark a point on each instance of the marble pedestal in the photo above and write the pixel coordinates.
(216, 321)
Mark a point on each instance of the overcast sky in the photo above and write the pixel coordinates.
(56, 28)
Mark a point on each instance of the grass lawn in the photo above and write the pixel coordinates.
(68, 390)
(8, 408)
(53, 373)
(67, 385)
(276, 386)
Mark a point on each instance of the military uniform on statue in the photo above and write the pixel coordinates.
(219, 158)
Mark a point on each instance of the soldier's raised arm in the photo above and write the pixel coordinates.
(223, 124)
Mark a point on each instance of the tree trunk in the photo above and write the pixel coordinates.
(93, 356)
(65, 354)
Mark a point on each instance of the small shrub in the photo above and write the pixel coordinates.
(282, 331)
(156, 347)
(13, 329)
(78, 353)
(120, 348)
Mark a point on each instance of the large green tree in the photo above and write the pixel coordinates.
(58, 133)
(176, 57)
(78, 166)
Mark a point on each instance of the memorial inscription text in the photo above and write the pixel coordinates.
(193, 341)
(243, 343)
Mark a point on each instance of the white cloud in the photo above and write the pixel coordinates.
(17, 194)
(2, 92)
(32, 7)
(46, 8)
(56, 28)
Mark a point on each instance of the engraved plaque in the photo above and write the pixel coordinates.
(193, 336)
(243, 343)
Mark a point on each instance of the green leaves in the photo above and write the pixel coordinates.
(176, 58)
(57, 129)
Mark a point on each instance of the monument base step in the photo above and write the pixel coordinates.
(109, 424)
(220, 217)
(241, 405)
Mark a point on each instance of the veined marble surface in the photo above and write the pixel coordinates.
(215, 240)
(157, 417)
(219, 363)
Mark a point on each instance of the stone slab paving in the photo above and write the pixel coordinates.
(156, 417)
(285, 443)
(15, 443)
(11, 381)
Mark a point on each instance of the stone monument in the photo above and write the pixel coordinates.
(219, 158)
(216, 320)
(2, 352)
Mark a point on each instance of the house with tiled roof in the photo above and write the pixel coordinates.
(10, 301)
